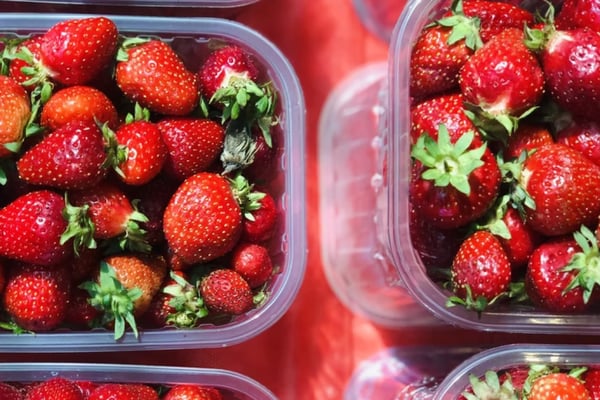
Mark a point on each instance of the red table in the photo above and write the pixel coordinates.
(312, 351)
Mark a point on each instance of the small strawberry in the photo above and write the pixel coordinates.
(16, 113)
(80, 314)
(73, 52)
(104, 212)
(125, 287)
(22, 58)
(57, 388)
(112, 391)
(565, 188)
(253, 263)
(263, 167)
(583, 136)
(36, 297)
(193, 144)
(10, 392)
(226, 292)
(203, 220)
(75, 103)
(30, 229)
(71, 157)
(192, 392)
(169, 88)
(527, 137)
(558, 385)
(261, 217)
(481, 271)
(591, 381)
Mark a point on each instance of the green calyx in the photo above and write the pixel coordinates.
(80, 227)
(536, 39)
(238, 150)
(248, 198)
(448, 163)
(115, 301)
(187, 302)
(126, 45)
(489, 387)
(134, 237)
(585, 264)
(463, 28)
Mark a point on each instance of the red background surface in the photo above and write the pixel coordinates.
(312, 351)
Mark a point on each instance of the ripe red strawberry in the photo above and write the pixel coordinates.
(261, 218)
(16, 112)
(503, 79)
(104, 212)
(568, 59)
(558, 385)
(583, 136)
(142, 391)
(591, 381)
(74, 51)
(80, 314)
(36, 297)
(522, 240)
(143, 152)
(86, 387)
(480, 271)
(78, 102)
(496, 16)
(124, 288)
(253, 263)
(226, 292)
(30, 229)
(71, 157)
(193, 145)
(169, 89)
(547, 282)
(576, 14)
(192, 392)
(527, 137)
(55, 389)
(203, 220)
(23, 57)
(455, 178)
(10, 392)
(263, 167)
(565, 187)
(113, 391)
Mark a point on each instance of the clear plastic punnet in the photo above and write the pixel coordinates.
(350, 179)
(191, 38)
(379, 16)
(231, 384)
(506, 317)
(150, 3)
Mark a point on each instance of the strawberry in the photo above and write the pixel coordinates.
(16, 113)
(203, 220)
(576, 14)
(80, 314)
(86, 387)
(112, 391)
(591, 381)
(558, 385)
(36, 297)
(263, 167)
(143, 151)
(527, 137)
(502, 80)
(142, 391)
(73, 52)
(193, 144)
(75, 103)
(548, 282)
(480, 271)
(57, 388)
(169, 89)
(565, 187)
(226, 292)
(192, 392)
(30, 229)
(253, 263)
(455, 179)
(496, 16)
(10, 392)
(125, 287)
(71, 157)
(583, 136)
(261, 218)
(22, 58)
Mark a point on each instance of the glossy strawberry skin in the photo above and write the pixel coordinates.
(70, 157)
(10, 392)
(78, 102)
(263, 224)
(558, 385)
(523, 240)
(591, 381)
(193, 145)
(15, 71)
(55, 389)
(75, 51)
(495, 16)
(169, 89)
(583, 136)
(565, 187)
(226, 292)
(37, 297)
(30, 229)
(112, 391)
(482, 265)
(253, 263)
(192, 392)
(15, 104)
(203, 220)
(526, 138)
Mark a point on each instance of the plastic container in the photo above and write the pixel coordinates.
(190, 37)
(233, 385)
(396, 220)
(379, 16)
(151, 3)
(349, 179)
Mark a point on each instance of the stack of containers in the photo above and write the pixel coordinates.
(288, 249)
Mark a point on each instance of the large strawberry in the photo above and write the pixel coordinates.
(56, 388)
(565, 187)
(71, 157)
(31, 226)
(73, 52)
(574, 14)
(455, 179)
(502, 80)
(203, 220)
(16, 113)
(169, 88)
